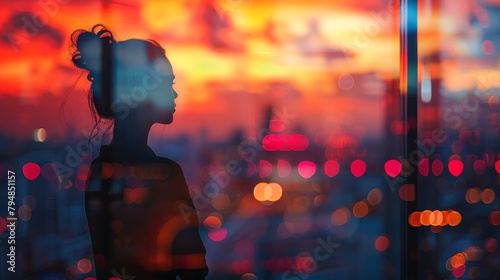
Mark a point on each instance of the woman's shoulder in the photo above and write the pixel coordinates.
(168, 161)
(169, 166)
(105, 162)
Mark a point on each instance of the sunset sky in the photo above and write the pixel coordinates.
(229, 46)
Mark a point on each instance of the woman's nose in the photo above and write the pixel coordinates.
(175, 93)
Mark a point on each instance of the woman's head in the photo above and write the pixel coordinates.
(130, 79)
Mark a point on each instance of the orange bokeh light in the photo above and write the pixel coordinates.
(472, 195)
(458, 260)
(414, 219)
(444, 222)
(374, 196)
(495, 218)
(425, 217)
(212, 222)
(84, 266)
(487, 196)
(267, 192)
(436, 218)
(360, 209)
(381, 243)
(454, 218)
(407, 192)
(340, 216)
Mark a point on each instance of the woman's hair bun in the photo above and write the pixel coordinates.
(90, 46)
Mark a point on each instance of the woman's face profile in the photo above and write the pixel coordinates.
(160, 103)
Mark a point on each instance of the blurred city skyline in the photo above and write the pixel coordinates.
(306, 99)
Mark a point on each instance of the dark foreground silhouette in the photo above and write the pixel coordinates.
(141, 217)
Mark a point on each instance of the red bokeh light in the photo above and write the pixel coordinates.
(84, 266)
(423, 167)
(393, 167)
(284, 168)
(217, 235)
(381, 243)
(285, 142)
(358, 168)
(497, 166)
(265, 168)
(331, 168)
(241, 266)
(307, 169)
(479, 166)
(455, 167)
(3, 225)
(437, 167)
(495, 218)
(459, 271)
(276, 125)
(31, 170)
(488, 47)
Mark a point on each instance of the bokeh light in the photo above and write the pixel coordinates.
(212, 222)
(360, 209)
(285, 142)
(267, 192)
(436, 218)
(488, 47)
(217, 235)
(31, 170)
(393, 167)
(284, 168)
(473, 195)
(306, 169)
(265, 168)
(346, 81)
(494, 218)
(340, 216)
(3, 225)
(24, 213)
(374, 197)
(437, 167)
(407, 192)
(305, 263)
(455, 167)
(480, 166)
(397, 127)
(414, 219)
(454, 218)
(358, 168)
(425, 218)
(321, 199)
(497, 166)
(491, 245)
(423, 167)
(331, 168)
(487, 196)
(248, 276)
(458, 260)
(381, 243)
(458, 271)
(84, 266)
(39, 135)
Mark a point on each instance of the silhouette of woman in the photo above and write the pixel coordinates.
(135, 200)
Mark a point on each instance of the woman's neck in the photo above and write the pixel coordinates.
(130, 133)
